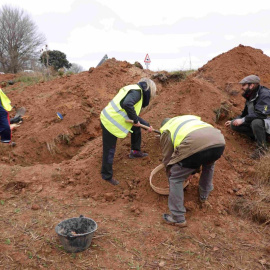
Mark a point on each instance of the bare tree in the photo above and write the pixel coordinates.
(75, 68)
(19, 39)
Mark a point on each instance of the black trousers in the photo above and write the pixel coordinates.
(255, 130)
(109, 146)
(202, 158)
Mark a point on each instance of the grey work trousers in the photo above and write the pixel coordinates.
(178, 175)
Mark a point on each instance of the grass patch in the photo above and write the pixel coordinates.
(256, 210)
(262, 171)
(32, 78)
(256, 204)
(223, 112)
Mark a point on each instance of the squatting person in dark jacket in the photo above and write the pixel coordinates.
(126, 105)
(254, 121)
(187, 144)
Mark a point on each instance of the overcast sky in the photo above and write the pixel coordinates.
(176, 34)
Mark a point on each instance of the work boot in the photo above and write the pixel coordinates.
(202, 199)
(137, 154)
(259, 153)
(112, 181)
(170, 220)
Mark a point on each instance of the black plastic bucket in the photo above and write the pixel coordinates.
(76, 233)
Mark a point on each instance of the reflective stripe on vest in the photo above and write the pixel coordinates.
(113, 116)
(5, 101)
(181, 126)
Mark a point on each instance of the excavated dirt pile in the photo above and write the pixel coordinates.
(53, 173)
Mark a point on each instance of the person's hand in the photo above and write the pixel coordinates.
(238, 122)
(228, 123)
(150, 129)
(137, 125)
(13, 126)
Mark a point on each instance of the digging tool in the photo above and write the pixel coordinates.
(18, 116)
(143, 126)
(20, 112)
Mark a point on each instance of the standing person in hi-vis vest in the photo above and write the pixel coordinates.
(187, 144)
(5, 107)
(126, 105)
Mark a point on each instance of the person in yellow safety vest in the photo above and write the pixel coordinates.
(188, 143)
(5, 107)
(127, 104)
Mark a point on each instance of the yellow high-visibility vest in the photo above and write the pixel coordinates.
(5, 101)
(181, 126)
(113, 116)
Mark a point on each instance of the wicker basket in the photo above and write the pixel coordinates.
(161, 191)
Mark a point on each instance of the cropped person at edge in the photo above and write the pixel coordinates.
(5, 130)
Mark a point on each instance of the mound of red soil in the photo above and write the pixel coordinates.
(45, 139)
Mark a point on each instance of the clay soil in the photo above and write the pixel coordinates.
(53, 173)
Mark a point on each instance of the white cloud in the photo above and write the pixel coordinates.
(88, 38)
(141, 12)
(229, 37)
(173, 33)
(256, 34)
(40, 7)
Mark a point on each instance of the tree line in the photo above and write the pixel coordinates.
(21, 43)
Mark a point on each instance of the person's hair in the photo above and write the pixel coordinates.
(164, 121)
(150, 85)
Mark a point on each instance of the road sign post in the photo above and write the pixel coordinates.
(147, 61)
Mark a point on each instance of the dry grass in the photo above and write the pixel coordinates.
(257, 210)
(222, 112)
(262, 171)
(256, 204)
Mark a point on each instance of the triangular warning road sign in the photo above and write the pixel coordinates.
(147, 59)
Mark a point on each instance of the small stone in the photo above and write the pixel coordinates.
(109, 197)
(35, 207)
(241, 192)
(217, 223)
(190, 206)
(39, 188)
(126, 193)
(161, 263)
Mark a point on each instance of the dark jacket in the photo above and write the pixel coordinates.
(257, 105)
(5, 131)
(128, 102)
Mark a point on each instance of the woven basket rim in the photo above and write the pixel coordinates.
(161, 191)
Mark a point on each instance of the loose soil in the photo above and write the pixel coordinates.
(53, 173)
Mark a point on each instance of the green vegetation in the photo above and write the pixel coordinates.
(181, 73)
(55, 59)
